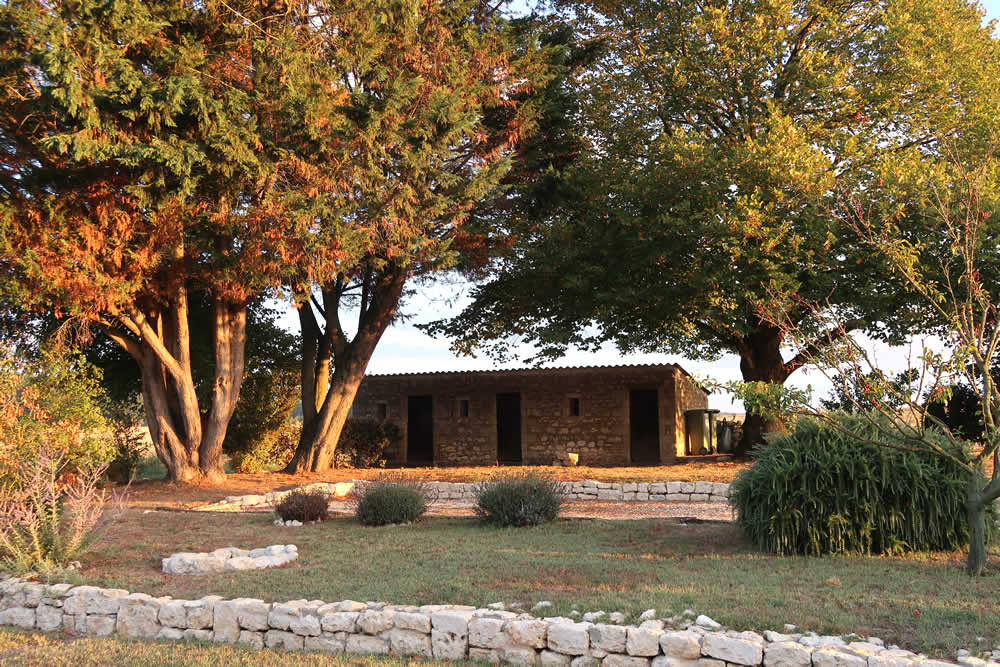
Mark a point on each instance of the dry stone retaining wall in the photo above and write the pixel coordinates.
(442, 632)
(708, 492)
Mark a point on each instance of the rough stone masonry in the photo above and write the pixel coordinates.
(442, 632)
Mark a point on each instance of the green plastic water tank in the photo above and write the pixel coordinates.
(699, 427)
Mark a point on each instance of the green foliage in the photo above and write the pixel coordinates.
(128, 437)
(817, 490)
(391, 499)
(363, 443)
(303, 505)
(854, 391)
(270, 453)
(51, 511)
(518, 498)
(51, 402)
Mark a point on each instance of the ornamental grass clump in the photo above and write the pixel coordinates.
(518, 498)
(302, 505)
(51, 513)
(817, 491)
(390, 499)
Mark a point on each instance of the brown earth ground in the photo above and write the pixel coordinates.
(153, 493)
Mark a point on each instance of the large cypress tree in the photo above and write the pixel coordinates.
(143, 159)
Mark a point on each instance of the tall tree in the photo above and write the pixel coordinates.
(719, 136)
(142, 160)
(433, 96)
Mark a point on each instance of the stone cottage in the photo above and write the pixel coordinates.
(608, 415)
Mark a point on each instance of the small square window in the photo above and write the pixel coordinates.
(574, 406)
(381, 411)
(463, 407)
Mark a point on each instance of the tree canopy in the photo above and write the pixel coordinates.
(718, 139)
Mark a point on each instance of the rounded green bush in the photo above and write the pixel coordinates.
(816, 490)
(382, 502)
(521, 498)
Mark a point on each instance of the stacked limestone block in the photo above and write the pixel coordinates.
(688, 492)
(230, 558)
(442, 632)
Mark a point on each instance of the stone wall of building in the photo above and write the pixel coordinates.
(600, 433)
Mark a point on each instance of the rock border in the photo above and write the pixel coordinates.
(441, 632)
(588, 489)
(228, 559)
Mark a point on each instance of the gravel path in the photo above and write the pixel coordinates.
(587, 509)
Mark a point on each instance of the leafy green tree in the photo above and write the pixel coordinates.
(719, 136)
(950, 268)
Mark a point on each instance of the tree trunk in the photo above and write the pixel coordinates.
(975, 508)
(761, 361)
(187, 440)
(334, 396)
(230, 323)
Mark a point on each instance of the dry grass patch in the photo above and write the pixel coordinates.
(44, 650)
(924, 601)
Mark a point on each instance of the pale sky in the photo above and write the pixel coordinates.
(404, 349)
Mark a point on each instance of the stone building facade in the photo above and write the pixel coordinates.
(608, 415)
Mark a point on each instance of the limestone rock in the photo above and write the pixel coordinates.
(486, 632)
(173, 614)
(527, 632)
(373, 622)
(683, 644)
(410, 642)
(644, 642)
(615, 660)
(832, 657)
(788, 653)
(547, 657)
(450, 634)
(138, 616)
(48, 619)
(339, 621)
(172, 634)
(569, 638)
(327, 644)
(732, 649)
(607, 638)
(251, 639)
(282, 639)
(366, 645)
(707, 622)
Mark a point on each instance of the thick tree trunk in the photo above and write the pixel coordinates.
(975, 507)
(761, 361)
(186, 440)
(333, 397)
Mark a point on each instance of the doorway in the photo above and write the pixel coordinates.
(509, 428)
(420, 430)
(644, 427)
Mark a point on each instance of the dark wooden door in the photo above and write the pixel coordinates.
(509, 428)
(420, 430)
(644, 427)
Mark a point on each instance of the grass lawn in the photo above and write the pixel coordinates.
(35, 648)
(923, 602)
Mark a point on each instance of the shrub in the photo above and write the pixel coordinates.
(816, 490)
(271, 451)
(389, 500)
(302, 505)
(50, 514)
(51, 402)
(128, 439)
(363, 443)
(518, 498)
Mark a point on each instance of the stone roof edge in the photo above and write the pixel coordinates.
(501, 371)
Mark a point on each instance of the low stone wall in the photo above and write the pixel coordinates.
(695, 492)
(442, 632)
